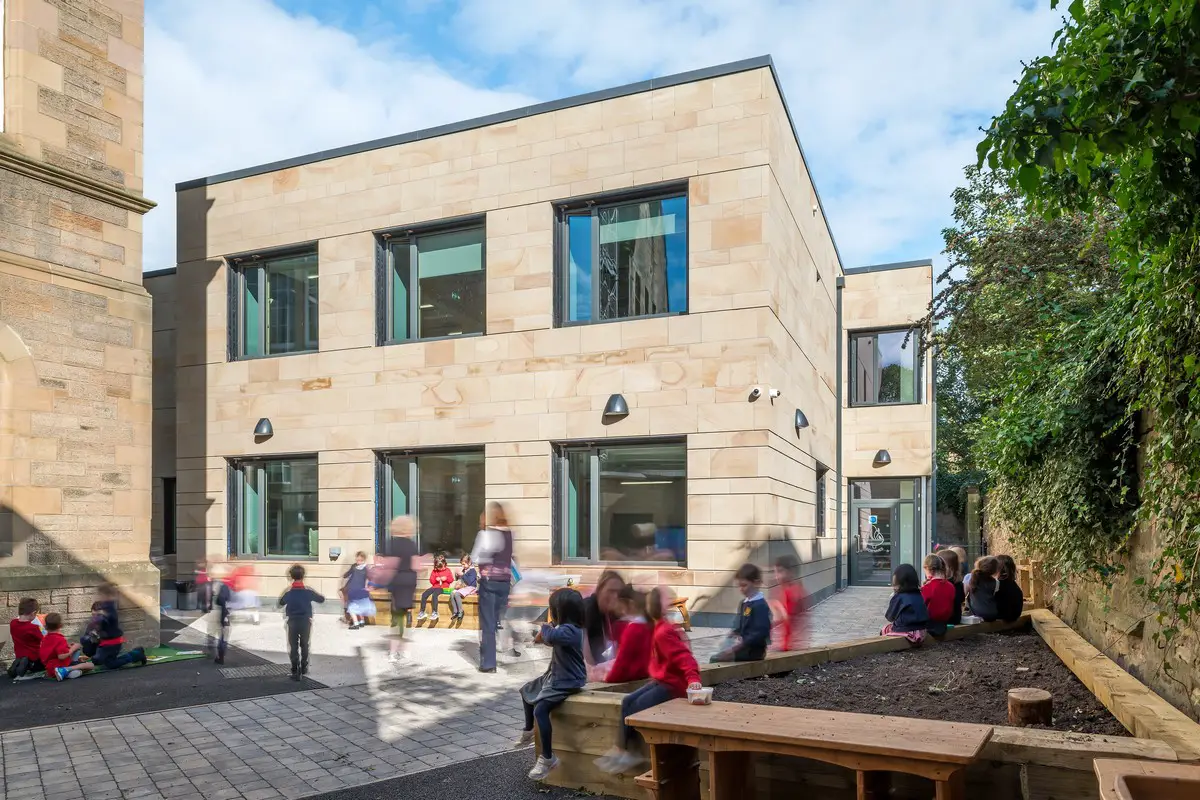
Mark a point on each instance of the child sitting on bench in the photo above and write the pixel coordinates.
(1010, 600)
(752, 632)
(632, 662)
(906, 614)
(981, 594)
(673, 671)
(954, 575)
(938, 594)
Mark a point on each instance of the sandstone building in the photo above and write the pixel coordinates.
(75, 331)
(568, 308)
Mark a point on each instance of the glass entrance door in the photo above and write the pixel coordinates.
(875, 549)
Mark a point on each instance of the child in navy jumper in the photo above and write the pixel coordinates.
(906, 614)
(111, 637)
(297, 604)
(752, 633)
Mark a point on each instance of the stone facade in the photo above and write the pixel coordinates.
(74, 318)
(762, 274)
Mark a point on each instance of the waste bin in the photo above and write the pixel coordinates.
(185, 596)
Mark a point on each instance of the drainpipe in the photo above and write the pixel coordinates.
(841, 337)
(932, 527)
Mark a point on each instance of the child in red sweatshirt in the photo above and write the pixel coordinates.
(673, 670)
(62, 660)
(938, 594)
(632, 662)
(439, 583)
(26, 633)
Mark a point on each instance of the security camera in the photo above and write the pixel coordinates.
(774, 393)
(756, 393)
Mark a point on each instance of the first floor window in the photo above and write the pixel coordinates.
(623, 259)
(275, 297)
(436, 284)
(443, 492)
(169, 538)
(885, 368)
(275, 508)
(822, 475)
(622, 502)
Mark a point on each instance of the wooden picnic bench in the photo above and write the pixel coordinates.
(728, 734)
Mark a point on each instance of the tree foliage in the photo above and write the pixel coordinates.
(1110, 120)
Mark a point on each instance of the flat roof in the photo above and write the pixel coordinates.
(158, 273)
(921, 262)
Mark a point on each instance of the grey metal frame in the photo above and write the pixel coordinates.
(591, 205)
(919, 507)
(236, 265)
(237, 508)
(918, 365)
(383, 475)
(821, 500)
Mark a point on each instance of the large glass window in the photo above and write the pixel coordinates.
(443, 491)
(623, 259)
(885, 368)
(275, 508)
(435, 284)
(623, 503)
(276, 304)
(820, 500)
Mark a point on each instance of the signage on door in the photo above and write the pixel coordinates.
(873, 519)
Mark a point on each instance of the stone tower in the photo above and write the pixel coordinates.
(75, 410)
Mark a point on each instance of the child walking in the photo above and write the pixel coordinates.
(566, 675)
(981, 594)
(27, 635)
(297, 603)
(938, 594)
(954, 575)
(906, 614)
(358, 596)
(750, 636)
(63, 660)
(673, 671)
(466, 583)
(789, 605)
(439, 581)
(1010, 600)
(111, 637)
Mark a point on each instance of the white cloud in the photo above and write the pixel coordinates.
(887, 96)
(234, 83)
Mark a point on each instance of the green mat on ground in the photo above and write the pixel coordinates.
(162, 654)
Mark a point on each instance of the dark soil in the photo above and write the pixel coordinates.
(961, 681)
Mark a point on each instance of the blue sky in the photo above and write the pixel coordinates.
(887, 95)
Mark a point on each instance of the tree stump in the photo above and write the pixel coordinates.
(1029, 707)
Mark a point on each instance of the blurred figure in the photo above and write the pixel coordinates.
(493, 554)
(632, 662)
(789, 606)
(602, 619)
(221, 597)
(203, 586)
(243, 585)
(356, 592)
(400, 574)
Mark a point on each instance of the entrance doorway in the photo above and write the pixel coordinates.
(885, 529)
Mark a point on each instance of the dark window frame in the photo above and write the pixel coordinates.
(170, 518)
(385, 240)
(559, 480)
(918, 364)
(236, 267)
(383, 476)
(821, 500)
(592, 205)
(236, 500)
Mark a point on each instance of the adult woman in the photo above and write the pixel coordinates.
(402, 580)
(602, 618)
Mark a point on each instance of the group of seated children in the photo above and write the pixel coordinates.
(648, 645)
(357, 584)
(39, 646)
(989, 592)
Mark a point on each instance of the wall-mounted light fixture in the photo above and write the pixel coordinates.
(263, 429)
(882, 459)
(615, 409)
(801, 421)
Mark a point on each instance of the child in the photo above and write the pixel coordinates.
(566, 675)
(906, 614)
(964, 565)
(788, 606)
(465, 585)
(938, 594)
(358, 596)
(89, 642)
(27, 638)
(204, 588)
(981, 594)
(1010, 600)
(297, 606)
(954, 575)
(439, 581)
(62, 660)
(752, 633)
(222, 598)
(673, 671)
(108, 630)
(632, 662)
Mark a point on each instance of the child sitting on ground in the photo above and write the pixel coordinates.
(981, 594)
(297, 603)
(1010, 600)
(63, 661)
(752, 632)
(27, 635)
(906, 614)
(566, 675)
(466, 583)
(108, 630)
(439, 582)
(673, 671)
(358, 596)
(954, 575)
(632, 662)
(938, 594)
(788, 606)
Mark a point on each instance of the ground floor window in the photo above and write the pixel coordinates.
(443, 491)
(622, 502)
(819, 500)
(169, 537)
(274, 508)
(885, 528)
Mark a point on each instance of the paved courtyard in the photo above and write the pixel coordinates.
(373, 722)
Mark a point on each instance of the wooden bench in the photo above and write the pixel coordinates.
(470, 621)
(727, 734)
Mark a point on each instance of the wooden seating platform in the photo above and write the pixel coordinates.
(470, 621)
(727, 734)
